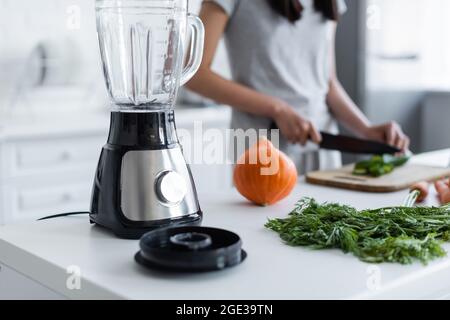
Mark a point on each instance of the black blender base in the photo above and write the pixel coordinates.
(135, 233)
(135, 132)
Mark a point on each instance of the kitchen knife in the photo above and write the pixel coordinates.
(354, 145)
(349, 144)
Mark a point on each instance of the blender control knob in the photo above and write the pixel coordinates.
(170, 187)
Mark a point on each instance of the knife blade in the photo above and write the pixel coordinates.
(355, 145)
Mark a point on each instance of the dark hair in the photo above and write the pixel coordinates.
(292, 9)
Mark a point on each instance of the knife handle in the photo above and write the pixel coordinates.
(307, 148)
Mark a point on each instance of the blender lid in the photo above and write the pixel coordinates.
(190, 249)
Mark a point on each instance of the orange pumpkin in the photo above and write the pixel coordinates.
(264, 174)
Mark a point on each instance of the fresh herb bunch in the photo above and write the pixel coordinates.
(395, 234)
(380, 165)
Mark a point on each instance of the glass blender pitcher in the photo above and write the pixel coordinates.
(142, 180)
(142, 49)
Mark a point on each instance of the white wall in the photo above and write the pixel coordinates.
(66, 28)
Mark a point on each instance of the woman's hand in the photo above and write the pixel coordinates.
(293, 127)
(390, 133)
(443, 190)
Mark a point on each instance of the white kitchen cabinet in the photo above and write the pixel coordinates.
(43, 174)
(34, 200)
(47, 167)
(55, 153)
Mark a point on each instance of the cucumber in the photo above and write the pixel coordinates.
(380, 165)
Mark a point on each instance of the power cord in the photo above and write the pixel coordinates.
(63, 215)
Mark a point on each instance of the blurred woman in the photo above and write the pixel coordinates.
(281, 54)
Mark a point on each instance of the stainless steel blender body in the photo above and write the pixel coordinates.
(142, 180)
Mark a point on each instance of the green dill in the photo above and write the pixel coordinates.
(394, 234)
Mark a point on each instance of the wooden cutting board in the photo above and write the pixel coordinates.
(401, 178)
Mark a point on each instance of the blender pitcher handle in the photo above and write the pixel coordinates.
(196, 48)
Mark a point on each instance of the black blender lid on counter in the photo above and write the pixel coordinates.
(190, 249)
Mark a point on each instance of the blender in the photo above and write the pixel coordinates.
(142, 180)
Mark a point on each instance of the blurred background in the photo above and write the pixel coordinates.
(393, 57)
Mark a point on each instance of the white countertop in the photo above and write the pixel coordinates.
(43, 250)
